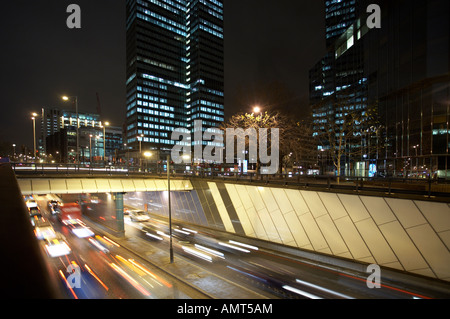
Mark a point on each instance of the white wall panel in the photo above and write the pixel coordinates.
(375, 241)
(314, 203)
(297, 201)
(282, 227)
(41, 186)
(406, 211)
(297, 230)
(240, 210)
(313, 232)
(331, 234)
(245, 221)
(221, 207)
(437, 214)
(58, 186)
(245, 198)
(25, 186)
(403, 247)
(352, 238)
(282, 200)
(73, 186)
(269, 225)
(89, 186)
(432, 248)
(268, 198)
(333, 205)
(445, 236)
(378, 209)
(103, 185)
(116, 185)
(256, 198)
(161, 185)
(257, 224)
(150, 184)
(354, 207)
(139, 184)
(128, 184)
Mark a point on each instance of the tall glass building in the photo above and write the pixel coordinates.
(402, 71)
(175, 69)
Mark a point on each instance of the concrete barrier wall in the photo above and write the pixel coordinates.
(408, 235)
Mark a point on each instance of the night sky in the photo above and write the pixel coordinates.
(268, 44)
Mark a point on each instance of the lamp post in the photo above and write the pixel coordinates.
(104, 141)
(126, 149)
(170, 209)
(147, 156)
(14, 148)
(34, 115)
(90, 150)
(66, 98)
(140, 150)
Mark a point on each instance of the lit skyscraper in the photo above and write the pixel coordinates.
(175, 69)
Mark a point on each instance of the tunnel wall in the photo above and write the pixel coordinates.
(409, 235)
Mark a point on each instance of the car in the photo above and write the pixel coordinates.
(53, 206)
(139, 216)
(31, 203)
(43, 229)
(35, 211)
(57, 247)
(82, 231)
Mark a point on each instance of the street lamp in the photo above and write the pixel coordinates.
(14, 148)
(256, 110)
(104, 141)
(170, 209)
(147, 156)
(90, 150)
(34, 132)
(67, 98)
(140, 150)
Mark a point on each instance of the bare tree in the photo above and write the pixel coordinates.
(346, 132)
(296, 138)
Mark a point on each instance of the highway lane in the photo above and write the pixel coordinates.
(110, 271)
(273, 273)
(107, 270)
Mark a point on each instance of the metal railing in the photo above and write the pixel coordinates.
(387, 185)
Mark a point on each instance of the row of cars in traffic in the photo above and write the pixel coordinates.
(52, 241)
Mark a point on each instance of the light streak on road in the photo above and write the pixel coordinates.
(243, 245)
(301, 292)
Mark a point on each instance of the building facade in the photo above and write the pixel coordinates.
(58, 137)
(400, 72)
(175, 70)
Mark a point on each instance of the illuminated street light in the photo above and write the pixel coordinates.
(66, 98)
(140, 149)
(256, 110)
(34, 132)
(170, 211)
(90, 149)
(104, 141)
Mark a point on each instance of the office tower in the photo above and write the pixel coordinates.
(402, 71)
(52, 120)
(407, 65)
(329, 78)
(58, 141)
(175, 69)
(339, 16)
